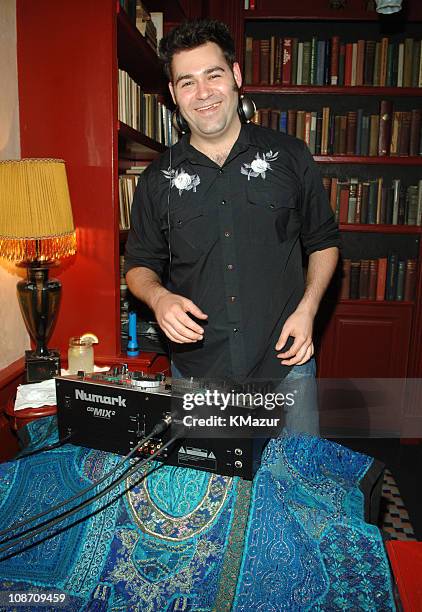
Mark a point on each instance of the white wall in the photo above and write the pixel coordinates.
(14, 338)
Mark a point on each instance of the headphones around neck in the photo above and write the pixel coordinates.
(246, 109)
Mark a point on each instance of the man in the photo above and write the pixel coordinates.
(226, 211)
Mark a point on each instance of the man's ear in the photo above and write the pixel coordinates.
(237, 75)
(171, 88)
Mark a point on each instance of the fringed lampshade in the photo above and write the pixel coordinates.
(37, 231)
(36, 222)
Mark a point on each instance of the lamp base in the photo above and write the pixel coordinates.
(40, 368)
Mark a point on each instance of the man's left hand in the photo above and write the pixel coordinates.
(299, 325)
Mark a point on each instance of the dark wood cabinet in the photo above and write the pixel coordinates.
(366, 340)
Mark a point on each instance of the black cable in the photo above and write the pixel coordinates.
(32, 532)
(159, 428)
(44, 448)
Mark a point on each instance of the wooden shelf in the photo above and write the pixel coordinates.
(293, 15)
(356, 159)
(136, 56)
(135, 145)
(377, 302)
(172, 9)
(312, 10)
(380, 228)
(333, 90)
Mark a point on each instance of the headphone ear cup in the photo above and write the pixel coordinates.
(246, 108)
(179, 123)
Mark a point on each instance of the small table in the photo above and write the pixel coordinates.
(19, 418)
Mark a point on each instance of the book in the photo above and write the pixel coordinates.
(391, 280)
(264, 65)
(313, 61)
(373, 274)
(352, 200)
(364, 204)
(415, 131)
(306, 68)
(248, 61)
(320, 63)
(287, 61)
(344, 190)
(354, 280)
(381, 278)
(373, 135)
(256, 61)
(348, 64)
(385, 121)
(360, 58)
(400, 65)
(411, 204)
(295, 46)
(383, 62)
(368, 70)
(299, 75)
(272, 58)
(410, 280)
(396, 197)
(372, 202)
(404, 133)
(401, 268)
(334, 67)
(407, 62)
(419, 209)
(278, 68)
(351, 133)
(345, 280)
(364, 279)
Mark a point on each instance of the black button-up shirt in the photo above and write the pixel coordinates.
(234, 233)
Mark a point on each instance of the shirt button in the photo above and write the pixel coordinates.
(235, 330)
(227, 234)
(220, 171)
(232, 298)
(223, 202)
(229, 266)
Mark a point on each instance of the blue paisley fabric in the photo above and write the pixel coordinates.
(176, 539)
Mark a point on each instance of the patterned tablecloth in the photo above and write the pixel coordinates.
(183, 540)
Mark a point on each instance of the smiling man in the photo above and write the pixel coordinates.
(228, 210)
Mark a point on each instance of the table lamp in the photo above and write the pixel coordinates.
(36, 232)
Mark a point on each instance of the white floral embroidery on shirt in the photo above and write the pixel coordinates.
(260, 165)
(182, 180)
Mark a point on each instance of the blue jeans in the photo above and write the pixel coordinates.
(302, 416)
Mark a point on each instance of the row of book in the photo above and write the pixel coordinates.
(387, 278)
(288, 61)
(127, 186)
(355, 132)
(249, 5)
(149, 24)
(143, 111)
(373, 201)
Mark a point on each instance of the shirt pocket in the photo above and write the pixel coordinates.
(272, 219)
(188, 233)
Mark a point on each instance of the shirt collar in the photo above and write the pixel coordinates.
(184, 151)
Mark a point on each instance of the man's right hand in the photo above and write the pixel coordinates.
(171, 311)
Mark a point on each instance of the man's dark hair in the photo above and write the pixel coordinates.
(192, 34)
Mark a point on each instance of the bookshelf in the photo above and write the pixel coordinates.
(356, 337)
(69, 55)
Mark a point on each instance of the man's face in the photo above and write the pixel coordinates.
(205, 89)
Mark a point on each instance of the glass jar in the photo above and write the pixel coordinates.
(80, 355)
